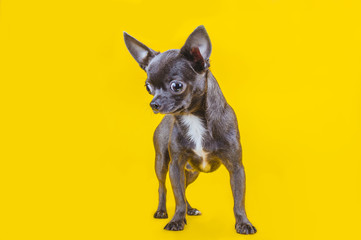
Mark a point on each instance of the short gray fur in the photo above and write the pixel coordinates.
(201, 98)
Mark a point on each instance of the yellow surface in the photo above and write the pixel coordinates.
(76, 154)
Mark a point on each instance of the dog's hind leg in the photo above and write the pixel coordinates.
(191, 176)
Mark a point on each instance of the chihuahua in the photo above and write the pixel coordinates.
(199, 131)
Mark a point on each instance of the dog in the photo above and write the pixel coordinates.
(199, 131)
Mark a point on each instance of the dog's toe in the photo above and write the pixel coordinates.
(160, 214)
(175, 225)
(245, 228)
(193, 212)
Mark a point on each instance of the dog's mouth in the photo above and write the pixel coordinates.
(175, 111)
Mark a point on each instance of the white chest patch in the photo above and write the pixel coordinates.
(195, 133)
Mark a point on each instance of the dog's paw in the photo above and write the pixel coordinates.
(245, 228)
(193, 212)
(160, 214)
(176, 225)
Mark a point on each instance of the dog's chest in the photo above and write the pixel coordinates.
(196, 133)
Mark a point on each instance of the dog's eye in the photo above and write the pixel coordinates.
(149, 88)
(176, 86)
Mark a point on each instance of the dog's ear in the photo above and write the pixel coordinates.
(198, 49)
(141, 53)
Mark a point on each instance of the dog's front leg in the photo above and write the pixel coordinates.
(177, 178)
(237, 175)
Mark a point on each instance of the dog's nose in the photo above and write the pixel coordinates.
(155, 105)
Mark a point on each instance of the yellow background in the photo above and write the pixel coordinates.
(77, 160)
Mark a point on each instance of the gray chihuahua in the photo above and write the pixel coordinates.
(199, 131)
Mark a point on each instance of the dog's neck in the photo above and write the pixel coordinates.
(215, 107)
(212, 106)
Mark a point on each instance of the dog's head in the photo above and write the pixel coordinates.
(176, 78)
